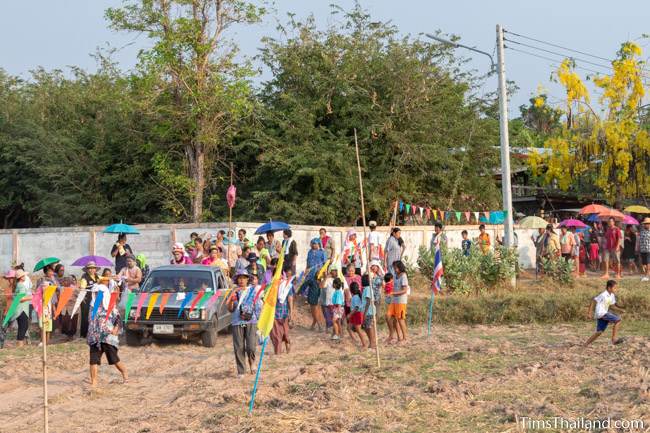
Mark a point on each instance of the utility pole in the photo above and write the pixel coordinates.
(506, 189)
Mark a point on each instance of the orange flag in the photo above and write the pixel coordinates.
(111, 303)
(63, 299)
(48, 293)
(163, 302)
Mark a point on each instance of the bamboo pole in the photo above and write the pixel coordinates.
(229, 216)
(46, 427)
(363, 219)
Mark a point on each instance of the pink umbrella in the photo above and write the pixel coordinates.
(630, 220)
(573, 223)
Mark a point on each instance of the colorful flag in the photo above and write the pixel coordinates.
(267, 316)
(12, 308)
(231, 195)
(152, 303)
(408, 208)
(111, 302)
(188, 298)
(458, 216)
(99, 297)
(127, 309)
(37, 301)
(214, 298)
(163, 302)
(437, 270)
(197, 298)
(203, 300)
(401, 206)
(63, 299)
(476, 216)
(468, 215)
(49, 292)
(428, 213)
(141, 299)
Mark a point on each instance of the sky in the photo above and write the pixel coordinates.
(61, 33)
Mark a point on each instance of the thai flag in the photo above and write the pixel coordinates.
(437, 270)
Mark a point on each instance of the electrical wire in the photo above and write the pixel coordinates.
(600, 65)
(555, 61)
(558, 46)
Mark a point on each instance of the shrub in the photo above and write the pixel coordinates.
(559, 270)
(474, 273)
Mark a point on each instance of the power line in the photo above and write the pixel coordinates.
(560, 54)
(555, 61)
(558, 46)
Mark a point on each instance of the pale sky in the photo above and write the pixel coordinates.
(59, 33)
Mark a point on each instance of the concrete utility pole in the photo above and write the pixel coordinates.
(506, 189)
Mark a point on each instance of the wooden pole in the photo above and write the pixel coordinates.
(363, 219)
(230, 215)
(46, 427)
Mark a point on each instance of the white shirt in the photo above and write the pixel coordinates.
(373, 238)
(603, 302)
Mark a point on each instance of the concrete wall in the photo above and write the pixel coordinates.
(155, 240)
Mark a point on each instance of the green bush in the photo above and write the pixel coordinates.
(474, 273)
(559, 270)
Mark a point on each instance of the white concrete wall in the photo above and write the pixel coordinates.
(155, 240)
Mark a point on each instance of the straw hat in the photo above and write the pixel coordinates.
(241, 273)
(646, 220)
(20, 273)
(90, 265)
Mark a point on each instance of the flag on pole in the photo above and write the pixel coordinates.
(438, 270)
(231, 195)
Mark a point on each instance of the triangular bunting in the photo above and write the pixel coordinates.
(188, 298)
(111, 303)
(401, 206)
(80, 297)
(63, 299)
(141, 299)
(49, 292)
(196, 300)
(458, 214)
(163, 302)
(408, 208)
(99, 297)
(127, 309)
(151, 304)
(476, 216)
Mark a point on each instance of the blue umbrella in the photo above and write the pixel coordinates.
(121, 228)
(271, 226)
(593, 218)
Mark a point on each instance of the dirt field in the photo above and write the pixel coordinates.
(464, 379)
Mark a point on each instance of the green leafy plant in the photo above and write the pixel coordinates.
(474, 273)
(559, 270)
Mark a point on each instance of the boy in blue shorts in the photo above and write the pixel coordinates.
(602, 304)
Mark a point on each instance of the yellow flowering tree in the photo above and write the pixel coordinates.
(610, 147)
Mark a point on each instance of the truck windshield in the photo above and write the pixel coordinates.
(178, 281)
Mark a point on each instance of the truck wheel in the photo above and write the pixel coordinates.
(133, 338)
(209, 337)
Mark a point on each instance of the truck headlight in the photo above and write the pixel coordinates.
(194, 314)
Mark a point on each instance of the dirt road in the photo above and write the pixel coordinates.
(464, 379)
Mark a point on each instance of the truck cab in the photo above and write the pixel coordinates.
(177, 282)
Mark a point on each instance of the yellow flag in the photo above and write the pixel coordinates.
(48, 293)
(323, 270)
(267, 316)
(152, 303)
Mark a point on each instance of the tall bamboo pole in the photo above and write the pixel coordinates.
(229, 217)
(46, 427)
(363, 219)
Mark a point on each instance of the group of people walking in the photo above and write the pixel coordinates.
(601, 247)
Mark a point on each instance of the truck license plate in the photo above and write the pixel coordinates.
(163, 329)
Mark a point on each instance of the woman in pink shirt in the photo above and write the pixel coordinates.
(567, 242)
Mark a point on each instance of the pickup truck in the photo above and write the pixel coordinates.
(179, 281)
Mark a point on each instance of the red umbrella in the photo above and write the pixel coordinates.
(593, 208)
(611, 213)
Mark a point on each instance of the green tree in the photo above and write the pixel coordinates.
(194, 82)
(423, 135)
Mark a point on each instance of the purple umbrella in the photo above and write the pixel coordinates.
(630, 220)
(99, 261)
(573, 223)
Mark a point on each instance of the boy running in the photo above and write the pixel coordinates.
(602, 304)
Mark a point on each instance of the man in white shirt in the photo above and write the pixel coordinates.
(374, 244)
(602, 303)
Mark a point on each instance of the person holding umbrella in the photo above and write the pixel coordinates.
(87, 282)
(644, 247)
(120, 251)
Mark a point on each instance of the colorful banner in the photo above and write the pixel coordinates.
(152, 303)
(143, 296)
(99, 297)
(111, 303)
(63, 299)
(12, 308)
(129, 302)
(163, 302)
